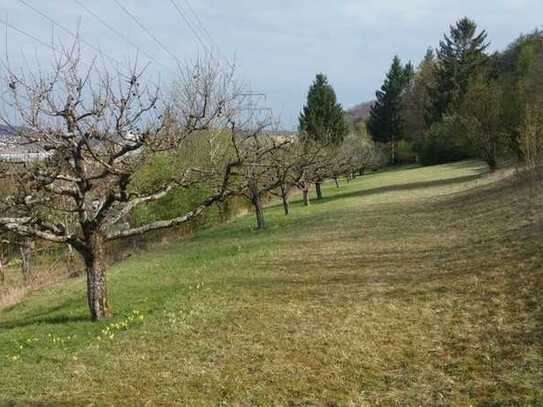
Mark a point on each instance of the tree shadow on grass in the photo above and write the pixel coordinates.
(55, 315)
(53, 320)
(396, 188)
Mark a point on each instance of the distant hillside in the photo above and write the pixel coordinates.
(359, 112)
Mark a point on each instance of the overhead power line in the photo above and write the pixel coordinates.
(26, 34)
(201, 24)
(120, 34)
(44, 44)
(189, 24)
(70, 32)
(147, 31)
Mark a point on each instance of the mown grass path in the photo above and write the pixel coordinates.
(417, 286)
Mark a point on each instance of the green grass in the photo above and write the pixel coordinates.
(416, 286)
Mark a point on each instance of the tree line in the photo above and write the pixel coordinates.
(464, 102)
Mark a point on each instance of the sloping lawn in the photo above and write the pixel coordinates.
(417, 286)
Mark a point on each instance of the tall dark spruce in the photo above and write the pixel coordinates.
(460, 55)
(386, 124)
(322, 119)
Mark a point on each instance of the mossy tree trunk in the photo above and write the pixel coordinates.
(95, 265)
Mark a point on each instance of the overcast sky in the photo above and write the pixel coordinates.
(279, 45)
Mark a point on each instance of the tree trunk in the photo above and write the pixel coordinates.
(284, 197)
(393, 152)
(336, 180)
(492, 164)
(257, 203)
(26, 250)
(2, 274)
(318, 188)
(305, 190)
(96, 278)
(361, 172)
(491, 158)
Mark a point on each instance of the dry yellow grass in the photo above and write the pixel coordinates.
(414, 287)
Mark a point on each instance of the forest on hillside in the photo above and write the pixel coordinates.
(461, 101)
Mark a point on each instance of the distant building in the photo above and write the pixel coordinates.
(14, 148)
(282, 135)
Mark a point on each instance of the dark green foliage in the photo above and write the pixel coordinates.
(386, 123)
(460, 55)
(405, 153)
(177, 203)
(437, 148)
(322, 118)
(417, 99)
(519, 71)
(517, 60)
(438, 92)
(463, 103)
(481, 121)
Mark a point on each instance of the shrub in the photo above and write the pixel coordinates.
(441, 144)
(405, 152)
(531, 139)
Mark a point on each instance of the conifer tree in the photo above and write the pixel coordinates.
(322, 119)
(386, 124)
(417, 98)
(460, 55)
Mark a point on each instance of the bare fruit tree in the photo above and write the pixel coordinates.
(94, 130)
(293, 167)
(259, 175)
(314, 165)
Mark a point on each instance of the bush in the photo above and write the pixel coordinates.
(163, 167)
(405, 153)
(480, 120)
(441, 145)
(531, 140)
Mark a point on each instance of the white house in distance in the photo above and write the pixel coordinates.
(13, 150)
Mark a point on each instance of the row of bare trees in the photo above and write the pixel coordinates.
(98, 129)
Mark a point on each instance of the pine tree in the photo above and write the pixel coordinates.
(417, 98)
(386, 124)
(460, 55)
(322, 118)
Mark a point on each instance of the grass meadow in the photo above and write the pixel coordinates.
(413, 286)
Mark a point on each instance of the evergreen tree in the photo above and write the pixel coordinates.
(459, 57)
(322, 118)
(417, 98)
(386, 124)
